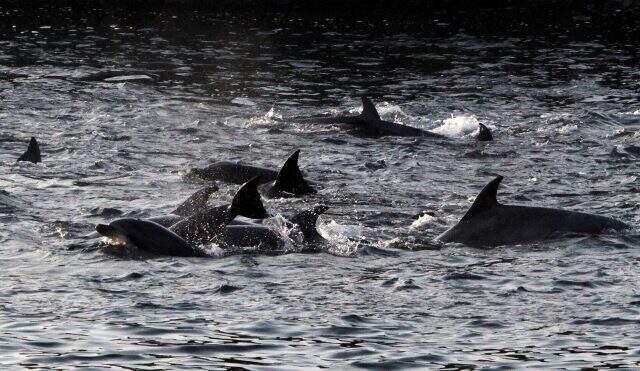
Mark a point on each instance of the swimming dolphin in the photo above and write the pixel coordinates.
(33, 152)
(148, 236)
(489, 223)
(184, 237)
(289, 181)
(241, 234)
(202, 226)
(368, 123)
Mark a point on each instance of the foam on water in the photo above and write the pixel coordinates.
(458, 126)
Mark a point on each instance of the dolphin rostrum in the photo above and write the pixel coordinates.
(490, 223)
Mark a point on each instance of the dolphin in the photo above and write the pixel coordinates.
(369, 124)
(202, 226)
(32, 153)
(489, 223)
(184, 237)
(249, 234)
(287, 182)
(148, 236)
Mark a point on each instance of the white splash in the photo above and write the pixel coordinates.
(458, 126)
(339, 236)
(422, 221)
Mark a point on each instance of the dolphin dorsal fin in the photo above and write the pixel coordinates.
(247, 201)
(195, 202)
(33, 152)
(487, 199)
(290, 177)
(369, 111)
(484, 134)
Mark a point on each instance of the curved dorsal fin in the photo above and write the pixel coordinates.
(486, 200)
(290, 177)
(247, 201)
(33, 152)
(369, 112)
(195, 202)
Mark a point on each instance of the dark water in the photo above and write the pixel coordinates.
(123, 108)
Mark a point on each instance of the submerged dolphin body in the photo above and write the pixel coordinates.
(287, 182)
(32, 154)
(185, 236)
(489, 223)
(369, 124)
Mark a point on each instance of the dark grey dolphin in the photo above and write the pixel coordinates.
(148, 236)
(241, 234)
(185, 237)
(369, 124)
(32, 153)
(233, 172)
(287, 182)
(489, 223)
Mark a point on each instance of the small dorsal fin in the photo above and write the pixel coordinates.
(195, 202)
(247, 201)
(307, 220)
(33, 152)
(486, 200)
(369, 112)
(290, 177)
(484, 134)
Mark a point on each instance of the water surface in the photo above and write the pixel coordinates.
(124, 107)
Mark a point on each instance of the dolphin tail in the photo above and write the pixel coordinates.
(195, 202)
(307, 220)
(290, 177)
(33, 152)
(247, 201)
(369, 111)
(484, 135)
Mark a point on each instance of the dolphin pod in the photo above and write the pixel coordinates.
(490, 223)
(185, 237)
(193, 223)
